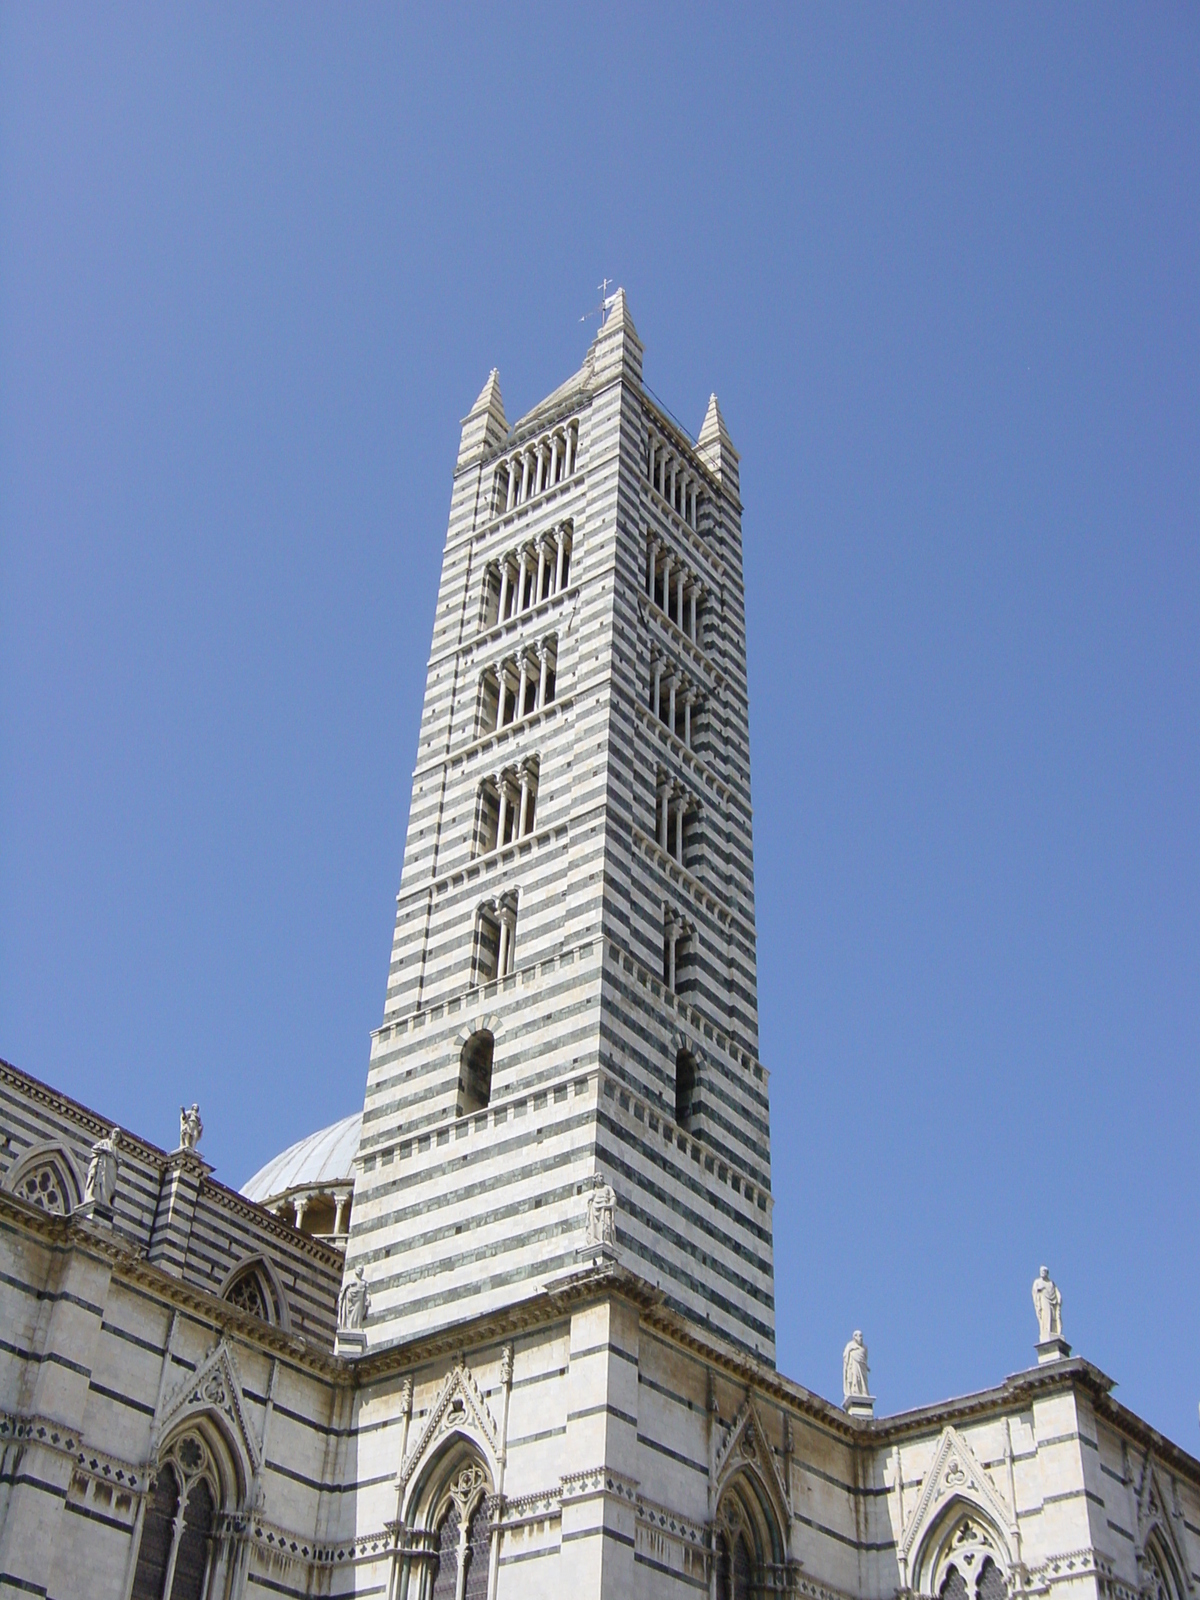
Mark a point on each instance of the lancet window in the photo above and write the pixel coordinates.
(524, 577)
(671, 476)
(536, 467)
(674, 698)
(518, 686)
(507, 806)
(495, 939)
(676, 816)
(673, 587)
(175, 1555)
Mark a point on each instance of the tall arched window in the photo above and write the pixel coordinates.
(453, 1512)
(475, 1073)
(445, 1577)
(966, 1560)
(175, 1553)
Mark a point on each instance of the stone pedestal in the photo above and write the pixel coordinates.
(350, 1342)
(96, 1211)
(859, 1405)
(1052, 1350)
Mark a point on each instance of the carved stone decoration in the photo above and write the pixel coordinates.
(854, 1367)
(100, 1185)
(461, 1408)
(354, 1302)
(1158, 1521)
(747, 1447)
(955, 1473)
(215, 1386)
(601, 1212)
(1047, 1303)
(191, 1128)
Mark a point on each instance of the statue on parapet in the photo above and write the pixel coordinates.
(1047, 1302)
(854, 1367)
(602, 1212)
(190, 1126)
(100, 1185)
(353, 1303)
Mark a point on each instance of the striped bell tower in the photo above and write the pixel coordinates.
(571, 1003)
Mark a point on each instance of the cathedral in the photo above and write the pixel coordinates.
(509, 1331)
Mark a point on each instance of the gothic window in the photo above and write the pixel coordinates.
(445, 1579)
(475, 1073)
(477, 1555)
(991, 1585)
(735, 1569)
(158, 1532)
(685, 1088)
(174, 1553)
(191, 1559)
(250, 1292)
(953, 1586)
(45, 1186)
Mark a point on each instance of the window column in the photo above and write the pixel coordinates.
(561, 537)
(656, 696)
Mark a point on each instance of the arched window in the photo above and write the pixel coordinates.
(475, 1073)
(250, 1291)
(953, 1586)
(750, 1549)
(454, 1509)
(966, 1560)
(686, 1086)
(44, 1177)
(991, 1586)
(175, 1553)
(475, 1584)
(158, 1535)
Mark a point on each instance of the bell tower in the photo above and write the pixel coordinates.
(572, 987)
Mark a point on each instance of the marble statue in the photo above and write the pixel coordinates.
(100, 1185)
(354, 1302)
(854, 1367)
(602, 1212)
(190, 1126)
(1047, 1302)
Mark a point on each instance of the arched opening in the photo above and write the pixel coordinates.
(45, 1177)
(965, 1558)
(686, 1088)
(750, 1557)
(177, 1553)
(475, 1073)
(251, 1291)
(1161, 1579)
(451, 1524)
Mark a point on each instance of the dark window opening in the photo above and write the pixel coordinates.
(686, 1089)
(475, 1073)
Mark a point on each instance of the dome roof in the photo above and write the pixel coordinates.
(323, 1159)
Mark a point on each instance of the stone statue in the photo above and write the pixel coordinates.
(1047, 1302)
(190, 1126)
(100, 1185)
(854, 1367)
(601, 1212)
(354, 1302)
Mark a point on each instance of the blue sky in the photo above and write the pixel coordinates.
(940, 264)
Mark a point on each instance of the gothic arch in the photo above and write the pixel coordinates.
(955, 1486)
(448, 1534)
(963, 1540)
(46, 1176)
(211, 1400)
(1159, 1570)
(257, 1271)
(459, 1421)
(183, 1545)
(751, 1555)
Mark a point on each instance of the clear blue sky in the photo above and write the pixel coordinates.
(941, 265)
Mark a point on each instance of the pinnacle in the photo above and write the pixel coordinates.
(489, 396)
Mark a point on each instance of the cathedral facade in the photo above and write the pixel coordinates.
(510, 1331)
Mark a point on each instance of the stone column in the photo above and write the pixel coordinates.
(651, 452)
(522, 572)
(572, 444)
(688, 698)
(502, 814)
(668, 562)
(543, 668)
(664, 803)
(672, 939)
(522, 685)
(523, 818)
(553, 459)
(656, 696)
(674, 469)
(502, 608)
(541, 571)
(525, 463)
(692, 596)
(651, 564)
(680, 807)
(339, 1221)
(511, 498)
(671, 703)
(301, 1202)
(679, 597)
(558, 568)
(502, 954)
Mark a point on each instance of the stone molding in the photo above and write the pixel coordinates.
(46, 1434)
(215, 1386)
(459, 1408)
(744, 1448)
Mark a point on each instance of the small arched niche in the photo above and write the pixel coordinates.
(687, 1087)
(475, 1072)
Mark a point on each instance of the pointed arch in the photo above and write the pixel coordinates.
(965, 1554)
(212, 1401)
(747, 1452)
(459, 1416)
(252, 1273)
(46, 1176)
(955, 1485)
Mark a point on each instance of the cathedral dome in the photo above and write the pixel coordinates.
(311, 1177)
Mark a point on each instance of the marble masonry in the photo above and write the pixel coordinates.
(510, 1329)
